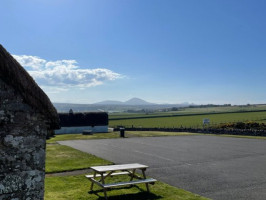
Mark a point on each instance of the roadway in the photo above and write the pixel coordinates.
(220, 168)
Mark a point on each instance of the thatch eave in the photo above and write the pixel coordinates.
(13, 74)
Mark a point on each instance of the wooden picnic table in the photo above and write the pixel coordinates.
(112, 170)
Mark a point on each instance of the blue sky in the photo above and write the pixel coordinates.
(171, 51)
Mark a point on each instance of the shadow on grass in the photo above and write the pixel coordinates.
(142, 195)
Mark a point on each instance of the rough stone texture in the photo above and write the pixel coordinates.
(26, 115)
(22, 148)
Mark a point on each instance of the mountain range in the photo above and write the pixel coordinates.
(133, 101)
(134, 104)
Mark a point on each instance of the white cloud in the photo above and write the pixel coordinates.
(30, 61)
(64, 73)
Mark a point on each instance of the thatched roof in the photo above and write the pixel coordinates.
(13, 74)
(83, 119)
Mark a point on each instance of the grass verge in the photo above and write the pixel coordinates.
(61, 158)
(77, 187)
(240, 136)
(81, 137)
(157, 133)
(136, 134)
(63, 137)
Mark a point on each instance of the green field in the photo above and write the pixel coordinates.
(191, 120)
(187, 111)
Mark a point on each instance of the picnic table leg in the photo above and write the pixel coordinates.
(144, 176)
(132, 174)
(104, 190)
(94, 176)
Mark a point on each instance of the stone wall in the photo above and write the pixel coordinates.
(245, 132)
(22, 148)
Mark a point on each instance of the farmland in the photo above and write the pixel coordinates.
(189, 110)
(190, 118)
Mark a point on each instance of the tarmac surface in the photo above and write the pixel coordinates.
(220, 168)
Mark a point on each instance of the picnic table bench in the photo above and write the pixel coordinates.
(114, 170)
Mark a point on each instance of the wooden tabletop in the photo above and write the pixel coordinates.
(107, 168)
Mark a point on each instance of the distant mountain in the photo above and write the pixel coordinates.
(134, 104)
(109, 102)
(137, 101)
(133, 101)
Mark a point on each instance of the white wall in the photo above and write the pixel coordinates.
(80, 129)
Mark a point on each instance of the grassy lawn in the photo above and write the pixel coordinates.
(77, 187)
(114, 135)
(82, 137)
(156, 133)
(133, 134)
(242, 136)
(63, 158)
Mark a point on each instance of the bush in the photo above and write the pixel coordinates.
(242, 125)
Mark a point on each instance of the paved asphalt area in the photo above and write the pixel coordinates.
(221, 168)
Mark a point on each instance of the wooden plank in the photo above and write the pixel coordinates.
(96, 182)
(118, 167)
(150, 180)
(105, 174)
